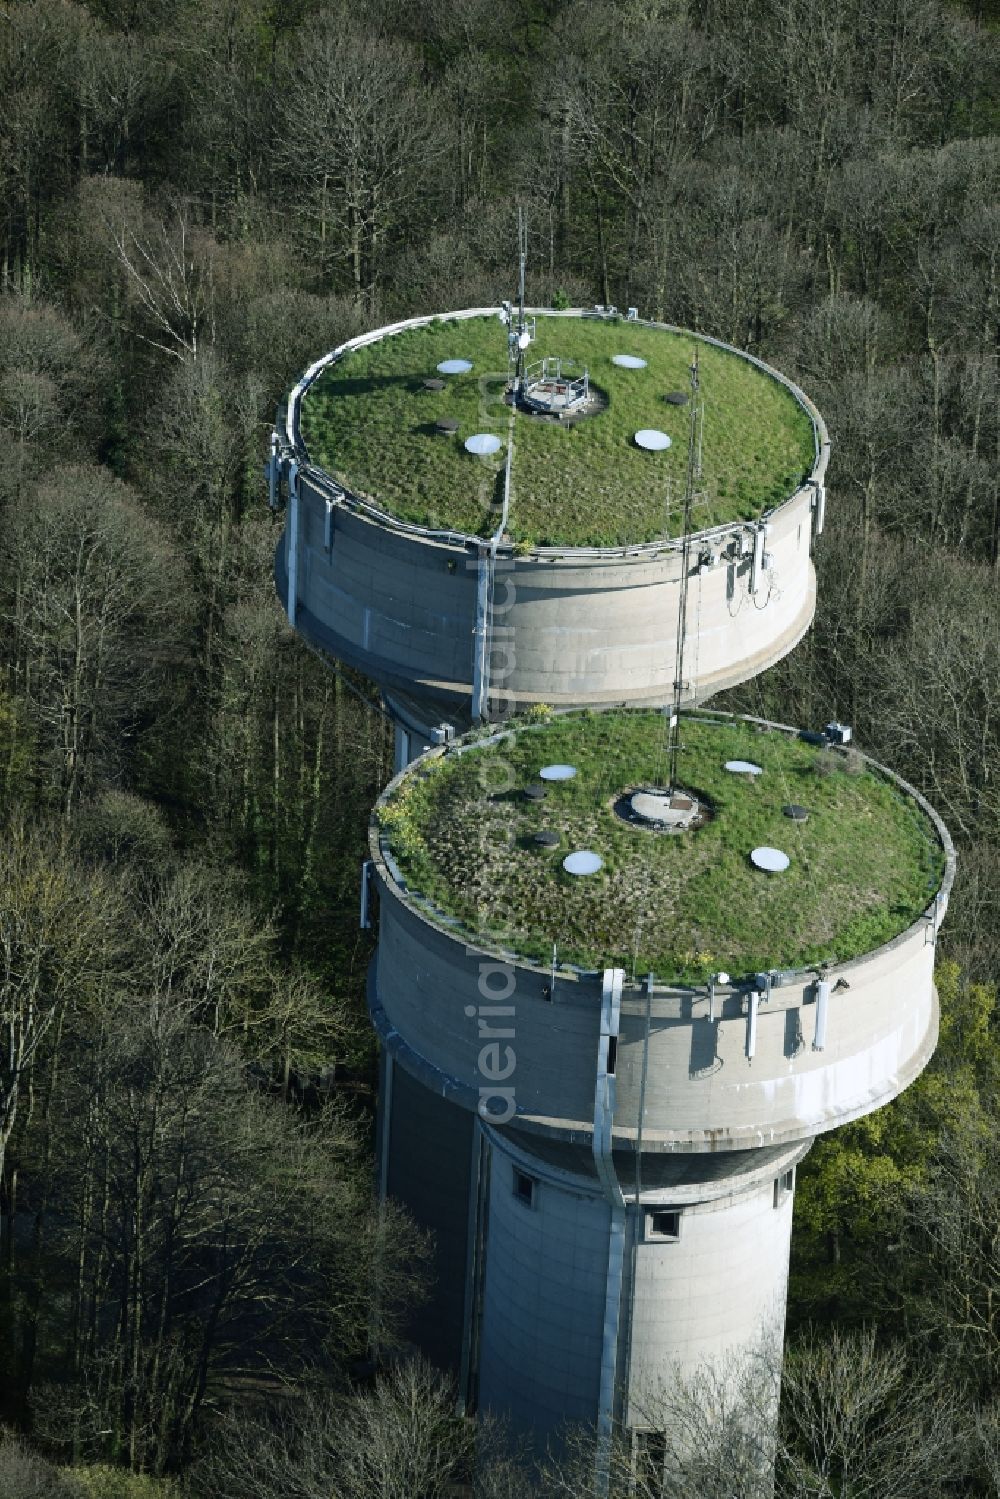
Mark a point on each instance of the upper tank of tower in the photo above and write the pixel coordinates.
(437, 486)
(775, 916)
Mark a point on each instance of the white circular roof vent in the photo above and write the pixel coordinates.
(771, 860)
(583, 861)
(744, 768)
(628, 361)
(482, 444)
(557, 772)
(652, 439)
(454, 366)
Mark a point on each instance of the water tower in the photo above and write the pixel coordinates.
(630, 961)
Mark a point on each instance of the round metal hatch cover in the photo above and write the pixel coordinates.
(770, 860)
(557, 772)
(795, 812)
(482, 444)
(583, 861)
(652, 440)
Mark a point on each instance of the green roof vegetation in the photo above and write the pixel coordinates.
(680, 905)
(370, 423)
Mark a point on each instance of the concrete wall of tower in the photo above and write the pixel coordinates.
(578, 629)
(702, 1092)
(524, 1327)
(712, 1294)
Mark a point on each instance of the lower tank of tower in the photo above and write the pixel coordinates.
(626, 1222)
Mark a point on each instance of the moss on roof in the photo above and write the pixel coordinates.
(370, 423)
(682, 906)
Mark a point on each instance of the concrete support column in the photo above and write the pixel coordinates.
(704, 1283)
(708, 1289)
(428, 1165)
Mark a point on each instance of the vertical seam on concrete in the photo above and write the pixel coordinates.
(486, 585)
(637, 1223)
(604, 1108)
(474, 1267)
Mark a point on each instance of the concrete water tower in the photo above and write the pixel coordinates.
(615, 1006)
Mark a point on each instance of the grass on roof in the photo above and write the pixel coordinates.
(682, 906)
(368, 421)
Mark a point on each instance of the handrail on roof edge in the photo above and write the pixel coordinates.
(448, 537)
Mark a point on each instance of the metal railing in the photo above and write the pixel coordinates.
(549, 377)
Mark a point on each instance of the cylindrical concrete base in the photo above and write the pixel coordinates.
(427, 1149)
(700, 1286)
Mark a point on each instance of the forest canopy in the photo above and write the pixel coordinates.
(198, 198)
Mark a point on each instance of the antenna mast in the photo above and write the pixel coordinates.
(693, 474)
(522, 251)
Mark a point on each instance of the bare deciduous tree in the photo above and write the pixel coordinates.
(92, 600)
(358, 134)
(398, 1439)
(863, 1421)
(169, 279)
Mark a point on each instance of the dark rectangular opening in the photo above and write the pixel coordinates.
(524, 1187)
(612, 1055)
(784, 1184)
(663, 1223)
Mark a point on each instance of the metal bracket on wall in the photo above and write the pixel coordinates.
(822, 1014)
(758, 566)
(366, 894)
(292, 565)
(272, 473)
(758, 995)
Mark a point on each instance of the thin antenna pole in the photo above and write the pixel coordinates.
(693, 469)
(522, 250)
(701, 438)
